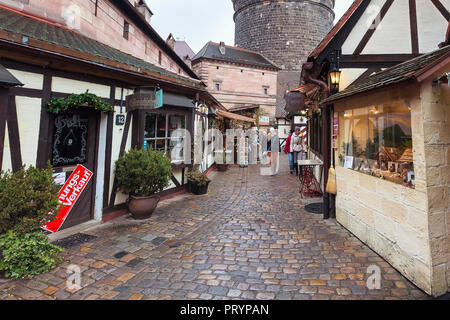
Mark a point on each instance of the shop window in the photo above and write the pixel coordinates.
(159, 128)
(377, 141)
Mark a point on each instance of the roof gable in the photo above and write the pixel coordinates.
(374, 27)
(234, 55)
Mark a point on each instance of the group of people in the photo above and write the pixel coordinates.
(296, 149)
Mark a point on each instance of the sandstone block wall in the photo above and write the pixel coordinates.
(436, 125)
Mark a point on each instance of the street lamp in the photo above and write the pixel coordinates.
(335, 74)
(335, 79)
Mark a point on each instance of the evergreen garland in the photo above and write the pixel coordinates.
(60, 105)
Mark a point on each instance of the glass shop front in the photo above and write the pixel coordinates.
(377, 141)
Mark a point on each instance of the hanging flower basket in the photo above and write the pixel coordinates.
(61, 105)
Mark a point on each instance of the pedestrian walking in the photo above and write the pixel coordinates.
(274, 151)
(298, 148)
(288, 150)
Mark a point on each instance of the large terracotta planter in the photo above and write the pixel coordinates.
(142, 207)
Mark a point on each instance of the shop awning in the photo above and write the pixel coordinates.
(7, 79)
(234, 116)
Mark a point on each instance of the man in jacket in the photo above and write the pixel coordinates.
(288, 151)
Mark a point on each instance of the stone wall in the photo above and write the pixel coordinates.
(286, 32)
(390, 218)
(436, 124)
(239, 85)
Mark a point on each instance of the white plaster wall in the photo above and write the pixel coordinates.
(348, 76)
(116, 141)
(6, 162)
(432, 25)
(393, 35)
(354, 38)
(65, 85)
(28, 117)
(29, 79)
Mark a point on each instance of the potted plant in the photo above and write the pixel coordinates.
(222, 167)
(197, 182)
(141, 174)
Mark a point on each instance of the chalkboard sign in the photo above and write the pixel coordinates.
(70, 140)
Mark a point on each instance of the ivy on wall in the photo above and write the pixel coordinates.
(60, 105)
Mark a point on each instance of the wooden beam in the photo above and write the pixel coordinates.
(13, 133)
(441, 9)
(373, 27)
(374, 60)
(414, 28)
(3, 115)
(44, 124)
(108, 151)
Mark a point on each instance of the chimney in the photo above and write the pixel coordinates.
(188, 61)
(144, 10)
(222, 48)
(171, 41)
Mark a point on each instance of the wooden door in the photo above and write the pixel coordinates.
(75, 142)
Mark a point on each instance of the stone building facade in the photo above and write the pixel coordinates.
(238, 78)
(286, 32)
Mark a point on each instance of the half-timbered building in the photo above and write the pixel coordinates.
(52, 49)
(376, 142)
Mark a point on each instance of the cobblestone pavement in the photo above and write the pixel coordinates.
(249, 238)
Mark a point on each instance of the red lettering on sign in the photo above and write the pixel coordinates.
(68, 195)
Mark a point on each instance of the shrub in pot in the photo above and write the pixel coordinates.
(141, 173)
(197, 182)
(28, 199)
(222, 167)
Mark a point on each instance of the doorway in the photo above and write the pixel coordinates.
(75, 141)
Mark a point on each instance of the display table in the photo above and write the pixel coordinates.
(309, 186)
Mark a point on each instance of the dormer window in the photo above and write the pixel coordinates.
(126, 29)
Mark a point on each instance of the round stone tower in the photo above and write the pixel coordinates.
(285, 31)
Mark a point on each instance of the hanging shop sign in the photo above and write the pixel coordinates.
(300, 120)
(68, 196)
(264, 121)
(335, 132)
(120, 119)
(145, 99)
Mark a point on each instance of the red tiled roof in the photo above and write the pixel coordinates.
(335, 29)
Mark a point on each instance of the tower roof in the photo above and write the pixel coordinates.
(231, 54)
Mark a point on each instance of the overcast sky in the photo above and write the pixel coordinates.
(199, 21)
